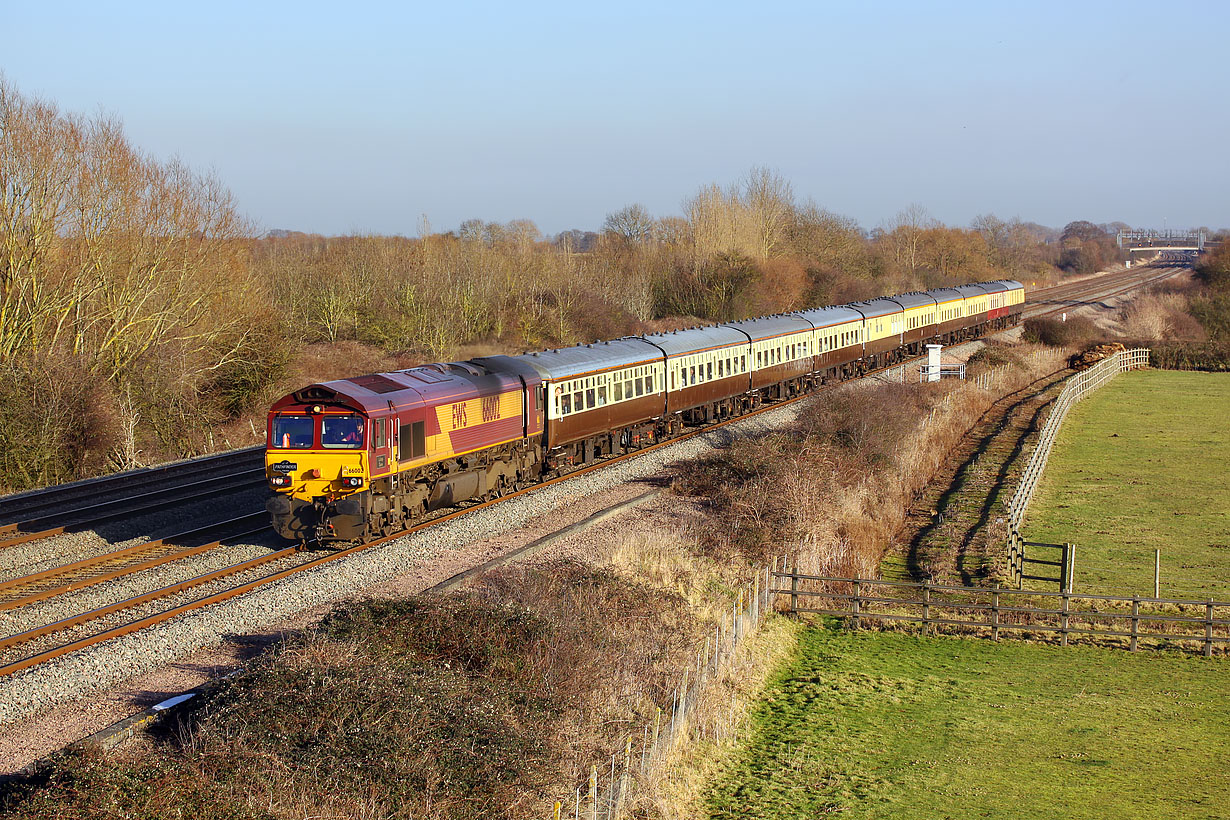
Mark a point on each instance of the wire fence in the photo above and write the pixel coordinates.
(1077, 387)
(612, 786)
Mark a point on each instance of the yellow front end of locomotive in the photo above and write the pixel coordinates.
(308, 475)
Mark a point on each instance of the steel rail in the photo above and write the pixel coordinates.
(254, 522)
(122, 507)
(145, 597)
(224, 595)
(23, 503)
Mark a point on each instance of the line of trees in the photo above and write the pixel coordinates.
(140, 318)
(125, 293)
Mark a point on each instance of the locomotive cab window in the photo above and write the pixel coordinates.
(341, 432)
(292, 432)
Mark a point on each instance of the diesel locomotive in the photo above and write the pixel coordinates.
(358, 458)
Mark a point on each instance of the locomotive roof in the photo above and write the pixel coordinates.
(693, 340)
(829, 316)
(568, 362)
(876, 307)
(769, 327)
(989, 287)
(969, 291)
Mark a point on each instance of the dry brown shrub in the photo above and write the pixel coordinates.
(833, 489)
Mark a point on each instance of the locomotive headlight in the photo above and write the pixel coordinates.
(352, 481)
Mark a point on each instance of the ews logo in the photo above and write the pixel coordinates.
(489, 408)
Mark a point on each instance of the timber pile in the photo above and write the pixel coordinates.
(1093, 355)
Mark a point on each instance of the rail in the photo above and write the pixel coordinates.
(1077, 387)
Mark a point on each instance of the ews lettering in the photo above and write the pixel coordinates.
(491, 408)
(459, 415)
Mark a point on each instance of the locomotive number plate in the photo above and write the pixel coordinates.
(284, 466)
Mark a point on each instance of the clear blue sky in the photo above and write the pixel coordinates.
(360, 117)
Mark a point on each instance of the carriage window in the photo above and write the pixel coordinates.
(649, 380)
(292, 432)
(589, 398)
(709, 370)
(602, 396)
(578, 401)
(720, 373)
(565, 402)
(640, 387)
(342, 432)
(672, 380)
(693, 377)
(743, 362)
(619, 391)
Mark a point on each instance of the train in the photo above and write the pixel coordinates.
(357, 459)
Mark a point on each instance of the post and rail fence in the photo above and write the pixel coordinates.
(1113, 619)
(1077, 387)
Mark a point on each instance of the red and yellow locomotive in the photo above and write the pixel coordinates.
(358, 458)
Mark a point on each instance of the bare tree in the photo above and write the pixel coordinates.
(906, 231)
(633, 224)
(769, 203)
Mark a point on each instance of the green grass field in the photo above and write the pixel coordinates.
(889, 725)
(1143, 464)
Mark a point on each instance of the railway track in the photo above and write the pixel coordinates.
(244, 575)
(85, 504)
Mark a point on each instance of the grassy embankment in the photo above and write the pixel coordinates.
(1141, 465)
(890, 725)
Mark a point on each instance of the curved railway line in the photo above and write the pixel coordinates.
(38, 515)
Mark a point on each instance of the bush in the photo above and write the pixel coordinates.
(58, 422)
(1078, 331)
(991, 356)
(1210, 356)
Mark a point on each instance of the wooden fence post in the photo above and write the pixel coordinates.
(623, 780)
(1208, 629)
(1135, 621)
(1157, 573)
(857, 602)
(1063, 622)
(995, 615)
(926, 592)
(794, 587)
(593, 793)
(1071, 551)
